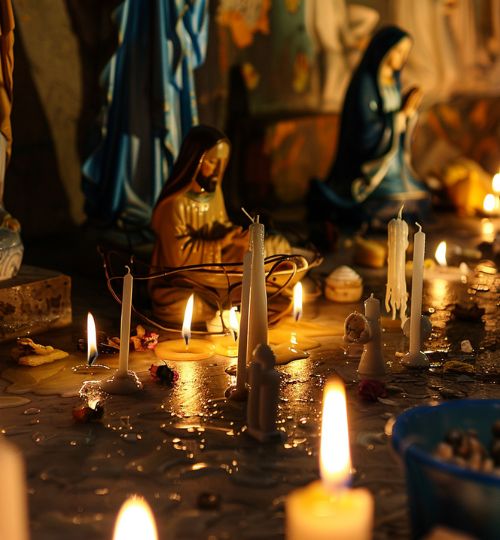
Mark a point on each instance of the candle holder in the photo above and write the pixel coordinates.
(417, 358)
(122, 383)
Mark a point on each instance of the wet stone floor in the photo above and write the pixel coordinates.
(185, 448)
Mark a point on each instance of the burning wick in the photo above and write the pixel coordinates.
(91, 340)
(188, 317)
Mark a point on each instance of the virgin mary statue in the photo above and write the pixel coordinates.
(372, 175)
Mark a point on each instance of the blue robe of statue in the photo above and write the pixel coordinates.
(151, 106)
(372, 176)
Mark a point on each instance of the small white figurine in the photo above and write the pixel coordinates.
(365, 330)
(262, 407)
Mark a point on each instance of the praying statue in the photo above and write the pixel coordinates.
(11, 247)
(191, 223)
(151, 105)
(372, 174)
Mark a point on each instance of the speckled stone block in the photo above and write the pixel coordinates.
(34, 301)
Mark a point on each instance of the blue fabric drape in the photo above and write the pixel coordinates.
(150, 106)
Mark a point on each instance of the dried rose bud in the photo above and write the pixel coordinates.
(163, 374)
(84, 414)
(371, 389)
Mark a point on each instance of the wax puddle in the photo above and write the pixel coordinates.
(12, 401)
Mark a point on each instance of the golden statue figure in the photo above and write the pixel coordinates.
(11, 248)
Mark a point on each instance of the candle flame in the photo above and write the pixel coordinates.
(234, 323)
(488, 229)
(489, 203)
(335, 457)
(441, 254)
(297, 301)
(135, 520)
(91, 340)
(495, 183)
(188, 317)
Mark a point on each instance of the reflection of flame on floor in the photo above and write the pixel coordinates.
(438, 291)
(188, 397)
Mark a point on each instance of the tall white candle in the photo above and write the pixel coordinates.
(13, 512)
(416, 291)
(328, 509)
(241, 376)
(257, 314)
(128, 283)
(396, 296)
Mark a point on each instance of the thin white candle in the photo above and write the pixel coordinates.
(417, 281)
(257, 315)
(13, 512)
(135, 521)
(396, 296)
(245, 306)
(297, 301)
(128, 283)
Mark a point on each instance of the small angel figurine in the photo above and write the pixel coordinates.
(365, 330)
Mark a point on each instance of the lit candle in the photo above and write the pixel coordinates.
(124, 381)
(396, 296)
(226, 345)
(443, 271)
(91, 340)
(128, 283)
(185, 349)
(415, 357)
(135, 521)
(257, 314)
(288, 345)
(328, 509)
(13, 512)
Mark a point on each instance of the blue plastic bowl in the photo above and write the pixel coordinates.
(439, 492)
